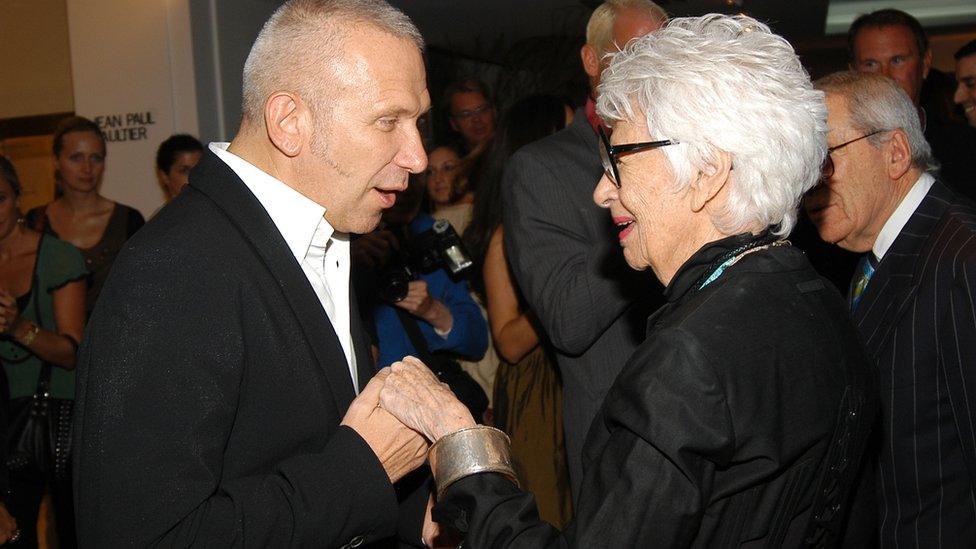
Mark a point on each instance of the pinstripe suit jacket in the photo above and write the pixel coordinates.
(918, 320)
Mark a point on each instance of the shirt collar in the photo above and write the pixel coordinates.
(899, 218)
(298, 218)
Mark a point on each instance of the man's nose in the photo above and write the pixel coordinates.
(411, 155)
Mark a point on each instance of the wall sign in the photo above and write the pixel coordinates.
(131, 126)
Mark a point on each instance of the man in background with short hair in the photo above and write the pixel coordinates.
(471, 113)
(965, 95)
(893, 43)
(562, 246)
(174, 159)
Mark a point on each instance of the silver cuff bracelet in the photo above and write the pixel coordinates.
(470, 451)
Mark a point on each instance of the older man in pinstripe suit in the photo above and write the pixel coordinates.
(912, 299)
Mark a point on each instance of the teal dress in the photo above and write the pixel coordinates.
(57, 264)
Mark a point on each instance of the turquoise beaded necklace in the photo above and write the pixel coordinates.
(738, 254)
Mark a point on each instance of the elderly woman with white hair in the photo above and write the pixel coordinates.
(742, 418)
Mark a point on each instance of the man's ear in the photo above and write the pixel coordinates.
(286, 120)
(711, 180)
(897, 155)
(926, 64)
(161, 177)
(591, 60)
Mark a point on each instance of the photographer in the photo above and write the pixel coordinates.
(388, 278)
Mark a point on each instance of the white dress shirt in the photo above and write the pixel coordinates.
(892, 228)
(321, 251)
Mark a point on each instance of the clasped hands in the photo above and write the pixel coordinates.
(399, 411)
(403, 409)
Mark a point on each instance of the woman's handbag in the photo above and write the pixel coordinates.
(40, 433)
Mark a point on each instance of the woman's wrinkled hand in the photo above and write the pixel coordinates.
(414, 395)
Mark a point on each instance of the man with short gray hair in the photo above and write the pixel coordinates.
(913, 299)
(562, 246)
(225, 395)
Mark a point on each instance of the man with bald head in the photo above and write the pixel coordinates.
(224, 392)
(562, 247)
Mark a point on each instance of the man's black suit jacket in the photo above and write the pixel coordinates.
(211, 387)
(917, 319)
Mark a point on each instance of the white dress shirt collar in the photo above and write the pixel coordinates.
(297, 217)
(321, 252)
(892, 228)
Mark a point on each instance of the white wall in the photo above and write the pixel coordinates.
(132, 67)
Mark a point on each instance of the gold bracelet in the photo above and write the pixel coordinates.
(463, 453)
(31, 334)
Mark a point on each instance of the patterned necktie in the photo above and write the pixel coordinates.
(864, 272)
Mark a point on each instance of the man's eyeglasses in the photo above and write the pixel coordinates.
(827, 170)
(465, 115)
(609, 153)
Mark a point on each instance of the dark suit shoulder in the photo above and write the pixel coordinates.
(564, 150)
(952, 241)
(190, 228)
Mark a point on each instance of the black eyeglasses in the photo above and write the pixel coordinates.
(827, 170)
(465, 115)
(609, 153)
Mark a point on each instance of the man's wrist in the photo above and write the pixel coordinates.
(456, 421)
(439, 316)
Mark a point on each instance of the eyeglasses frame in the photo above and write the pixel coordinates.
(476, 112)
(609, 153)
(828, 161)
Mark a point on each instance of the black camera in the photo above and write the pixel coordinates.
(439, 247)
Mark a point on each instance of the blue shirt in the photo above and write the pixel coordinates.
(469, 333)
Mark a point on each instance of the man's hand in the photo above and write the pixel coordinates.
(414, 395)
(420, 304)
(373, 250)
(398, 448)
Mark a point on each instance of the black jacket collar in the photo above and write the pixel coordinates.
(218, 182)
(701, 264)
